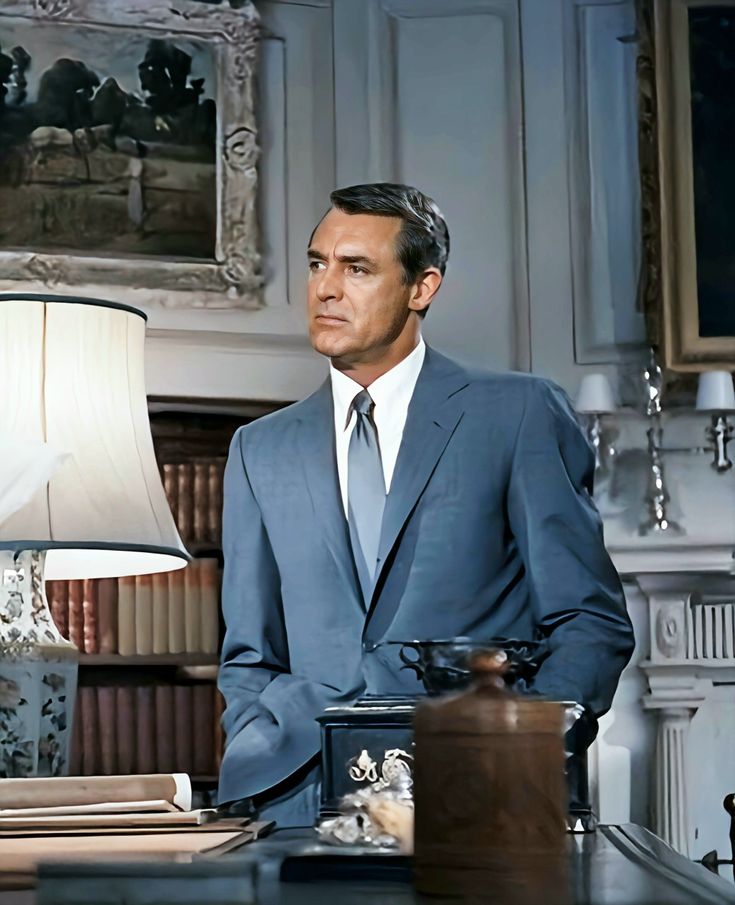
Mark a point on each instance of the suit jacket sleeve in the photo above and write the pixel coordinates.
(269, 715)
(577, 596)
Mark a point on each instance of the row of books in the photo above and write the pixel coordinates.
(162, 728)
(194, 493)
(167, 613)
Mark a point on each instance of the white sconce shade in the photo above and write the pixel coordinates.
(715, 392)
(595, 395)
(73, 393)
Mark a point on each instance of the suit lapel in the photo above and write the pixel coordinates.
(316, 441)
(433, 414)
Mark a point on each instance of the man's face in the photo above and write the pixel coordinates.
(358, 303)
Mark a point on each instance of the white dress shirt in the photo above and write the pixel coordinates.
(391, 394)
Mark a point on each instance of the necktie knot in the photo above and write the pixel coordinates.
(363, 403)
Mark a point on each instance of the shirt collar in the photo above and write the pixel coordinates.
(389, 388)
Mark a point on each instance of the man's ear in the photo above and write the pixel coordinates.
(425, 288)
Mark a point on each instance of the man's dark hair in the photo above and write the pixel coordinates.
(424, 238)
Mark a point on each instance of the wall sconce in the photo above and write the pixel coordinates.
(715, 394)
(594, 399)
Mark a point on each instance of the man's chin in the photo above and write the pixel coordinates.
(330, 346)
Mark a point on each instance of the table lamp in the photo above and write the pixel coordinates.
(80, 497)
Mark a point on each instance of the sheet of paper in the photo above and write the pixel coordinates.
(102, 807)
(100, 821)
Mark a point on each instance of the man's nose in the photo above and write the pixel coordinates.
(328, 285)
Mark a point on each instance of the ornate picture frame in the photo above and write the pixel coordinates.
(683, 274)
(229, 276)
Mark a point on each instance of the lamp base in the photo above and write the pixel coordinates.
(38, 673)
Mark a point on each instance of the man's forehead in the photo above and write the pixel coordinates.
(348, 234)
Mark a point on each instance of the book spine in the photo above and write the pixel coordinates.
(89, 612)
(76, 613)
(77, 738)
(107, 615)
(126, 728)
(170, 486)
(160, 612)
(203, 740)
(107, 719)
(209, 584)
(165, 741)
(126, 615)
(201, 502)
(90, 730)
(57, 594)
(183, 728)
(176, 630)
(192, 607)
(145, 718)
(184, 507)
(214, 502)
(143, 614)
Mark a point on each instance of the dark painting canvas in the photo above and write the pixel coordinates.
(107, 142)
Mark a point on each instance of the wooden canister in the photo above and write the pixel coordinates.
(490, 794)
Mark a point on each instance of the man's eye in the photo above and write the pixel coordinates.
(355, 268)
(315, 265)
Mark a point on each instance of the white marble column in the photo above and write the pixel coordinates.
(671, 816)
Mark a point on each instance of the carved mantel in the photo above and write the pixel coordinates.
(692, 649)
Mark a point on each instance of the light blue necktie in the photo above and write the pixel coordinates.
(365, 492)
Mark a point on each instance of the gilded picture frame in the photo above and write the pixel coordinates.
(684, 277)
(227, 272)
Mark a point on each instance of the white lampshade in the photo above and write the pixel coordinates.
(595, 395)
(715, 392)
(72, 383)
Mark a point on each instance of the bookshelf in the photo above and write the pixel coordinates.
(149, 647)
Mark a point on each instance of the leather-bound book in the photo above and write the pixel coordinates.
(89, 611)
(176, 618)
(184, 728)
(90, 730)
(57, 594)
(107, 615)
(77, 741)
(165, 729)
(203, 736)
(107, 718)
(126, 728)
(126, 615)
(192, 608)
(201, 502)
(159, 612)
(185, 501)
(143, 614)
(145, 720)
(214, 502)
(209, 585)
(171, 486)
(76, 613)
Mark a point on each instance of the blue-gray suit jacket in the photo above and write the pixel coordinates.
(489, 531)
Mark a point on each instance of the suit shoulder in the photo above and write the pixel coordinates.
(268, 428)
(519, 384)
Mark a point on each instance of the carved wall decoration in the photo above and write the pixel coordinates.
(167, 160)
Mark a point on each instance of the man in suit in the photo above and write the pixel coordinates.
(407, 498)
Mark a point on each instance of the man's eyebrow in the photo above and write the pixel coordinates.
(356, 259)
(343, 259)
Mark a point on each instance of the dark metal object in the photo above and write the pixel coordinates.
(444, 666)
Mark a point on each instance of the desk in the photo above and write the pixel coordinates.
(617, 865)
